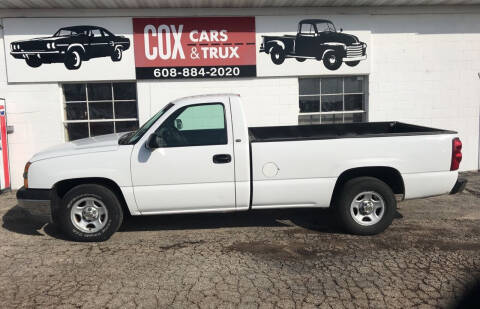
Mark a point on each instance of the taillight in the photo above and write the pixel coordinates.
(456, 154)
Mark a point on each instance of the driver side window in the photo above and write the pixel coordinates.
(194, 125)
(96, 33)
(307, 29)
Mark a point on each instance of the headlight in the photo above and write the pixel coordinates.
(25, 174)
(48, 46)
(53, 45)
(18, 46)
(12, 48)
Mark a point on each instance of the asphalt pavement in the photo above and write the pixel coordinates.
(429, 257)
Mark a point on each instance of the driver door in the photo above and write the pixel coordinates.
(193, 169)
(98, 46)
(305, 41)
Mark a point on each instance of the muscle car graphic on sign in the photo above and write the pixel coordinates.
(71, 45)
(316, 39)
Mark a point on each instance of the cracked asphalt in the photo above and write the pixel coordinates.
(429, 257)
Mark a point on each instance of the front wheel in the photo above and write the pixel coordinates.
(365, 206)
(90, 212)
(34, 62)
(332, 60)
(73, 60)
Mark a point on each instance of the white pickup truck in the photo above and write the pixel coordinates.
(198, 155)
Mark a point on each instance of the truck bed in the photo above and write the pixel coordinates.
(286, 36)
(334, 131)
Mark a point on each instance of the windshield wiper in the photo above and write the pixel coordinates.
(125, 137)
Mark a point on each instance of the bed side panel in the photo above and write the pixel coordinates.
(295, 168)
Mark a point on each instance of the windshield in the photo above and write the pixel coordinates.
(133, 137)
(325, 26)
(69, 32)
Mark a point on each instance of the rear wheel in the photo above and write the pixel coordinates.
(277, 54)
(117, 55)
(90, 213)
(365, 206)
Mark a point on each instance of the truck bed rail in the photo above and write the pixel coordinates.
(344, 130)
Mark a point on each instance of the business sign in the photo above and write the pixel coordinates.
(96, 49)
(68, 49)
(197, 47)
(312, 45)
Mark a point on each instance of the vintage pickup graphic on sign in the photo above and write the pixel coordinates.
(71, 45)
(316, 39)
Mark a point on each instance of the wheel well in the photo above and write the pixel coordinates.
(62, 187)
(388, 175)
(270, 45)
(78, 48)
(335, 49)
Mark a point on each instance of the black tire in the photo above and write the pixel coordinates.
(117, 55)
(354, 187)
(277, 54)
(73, 59)
(34, 62)
(301, 59)
(352, 63)
(332, 60)
(100, 193)
(56, 219)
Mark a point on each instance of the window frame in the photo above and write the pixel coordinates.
(99, 31)
(181, 109)
(88, 101)
(312, 29)
(343, 112)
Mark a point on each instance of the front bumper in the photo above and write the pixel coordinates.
(40, 54)
(358, 58)
(35, 201)
(459, 186)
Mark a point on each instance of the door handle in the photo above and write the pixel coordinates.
(222, 158)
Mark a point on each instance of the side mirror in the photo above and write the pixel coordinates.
(178, 124)
(154, 141)
(341, 29)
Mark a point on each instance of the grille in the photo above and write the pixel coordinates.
(33, 45)
(354, 51)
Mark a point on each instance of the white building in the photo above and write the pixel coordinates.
(422, 65)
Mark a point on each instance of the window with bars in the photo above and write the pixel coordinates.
(93, 109)
(332, 100)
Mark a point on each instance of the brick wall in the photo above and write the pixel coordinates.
(424, 70)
